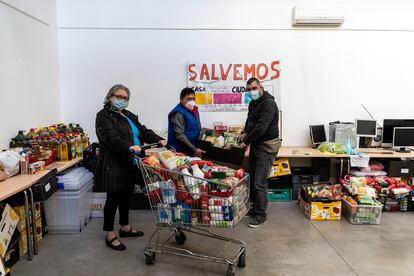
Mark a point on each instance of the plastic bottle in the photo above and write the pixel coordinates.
(58, 149)
(85, 141)
(348, 146)
(12, 143)
(190, 184)
(78, 145)
(69, 142)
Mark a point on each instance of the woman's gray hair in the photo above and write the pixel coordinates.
(113, 89)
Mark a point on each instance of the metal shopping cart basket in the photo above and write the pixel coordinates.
(182, 203)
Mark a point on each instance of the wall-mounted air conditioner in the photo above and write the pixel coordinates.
(305, 16)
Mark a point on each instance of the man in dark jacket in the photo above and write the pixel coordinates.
(184, 124)
(261, 132)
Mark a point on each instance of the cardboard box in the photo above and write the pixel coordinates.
(8, 224)
(320, 210)
(20, 212)
(280, 167)
(233, 156)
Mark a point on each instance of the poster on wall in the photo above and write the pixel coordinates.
(222, 86)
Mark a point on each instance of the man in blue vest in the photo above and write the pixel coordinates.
(184, 124)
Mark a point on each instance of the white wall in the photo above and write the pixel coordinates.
(29, 89)
(326, 73)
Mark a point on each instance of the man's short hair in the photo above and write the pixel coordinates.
(185, 92)
(252, 80)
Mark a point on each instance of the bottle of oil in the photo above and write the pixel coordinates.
(65, 150)
(58, 150)
(78, 145)
(85, 141)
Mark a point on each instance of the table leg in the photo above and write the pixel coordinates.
(29, 240)
(341, 171)
(35, 245)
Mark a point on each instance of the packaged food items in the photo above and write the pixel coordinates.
(350, 199)
(169, 159)
(335, 148)
(168, 191)
(323, 191)
(190, 183)
(219, 142)
(152, 160)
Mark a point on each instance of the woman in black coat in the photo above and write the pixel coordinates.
(119, 132)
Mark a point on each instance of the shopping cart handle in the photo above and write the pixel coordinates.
(143, 149)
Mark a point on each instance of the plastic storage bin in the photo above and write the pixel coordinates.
(361, 214)
(275, 195)
(302, 176)
(68, 211)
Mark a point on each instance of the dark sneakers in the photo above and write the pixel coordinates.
(257, 222)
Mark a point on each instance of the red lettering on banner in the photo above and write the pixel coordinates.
(204, 72)
(264, 76)
(192, 72)
(224, 75)
(249, 71)
(277, 71)
(236, 73)
(213, 72)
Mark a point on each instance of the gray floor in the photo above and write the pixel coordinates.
(288, 244)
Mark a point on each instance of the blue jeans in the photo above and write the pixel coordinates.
(260, 164)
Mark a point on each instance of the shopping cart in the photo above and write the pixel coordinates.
(182, 203)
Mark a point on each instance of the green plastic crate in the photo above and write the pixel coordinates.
(276, 195)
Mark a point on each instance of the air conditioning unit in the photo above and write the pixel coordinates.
(325, 16)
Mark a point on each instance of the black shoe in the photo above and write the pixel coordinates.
(257, 222)
(119, 247)
(125, 234)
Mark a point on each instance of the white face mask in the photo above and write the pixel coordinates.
(190, 105)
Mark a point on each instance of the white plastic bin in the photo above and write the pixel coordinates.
(68, 211)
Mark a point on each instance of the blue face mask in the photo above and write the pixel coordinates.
(254, 94)
(119, 104)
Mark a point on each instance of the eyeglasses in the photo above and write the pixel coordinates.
(119, 97)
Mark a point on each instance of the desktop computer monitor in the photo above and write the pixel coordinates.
(366, 128)
(388, 129)
(317, 134)
(403, 138)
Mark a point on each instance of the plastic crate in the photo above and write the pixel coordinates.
(280, 182)
(302, 176)
(68, 211)
(276, 195)
(361, 214)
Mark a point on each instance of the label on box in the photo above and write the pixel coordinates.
(405, 171)
(47, 187)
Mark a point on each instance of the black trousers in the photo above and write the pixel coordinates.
(260, 164)
(115, 200)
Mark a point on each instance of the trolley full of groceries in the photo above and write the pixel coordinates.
(190, 195)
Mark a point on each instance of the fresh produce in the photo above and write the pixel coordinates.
(332, 148)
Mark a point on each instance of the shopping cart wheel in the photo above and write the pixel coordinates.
(231, 271)
(149, 257)
(242, 260)
(180, 237)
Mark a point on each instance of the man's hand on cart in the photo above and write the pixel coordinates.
(163, 143)
(199, 152)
